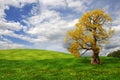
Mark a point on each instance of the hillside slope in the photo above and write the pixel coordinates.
(31, 54)
(23, 64)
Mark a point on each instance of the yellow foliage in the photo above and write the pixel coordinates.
(89, 32)
(74, 49)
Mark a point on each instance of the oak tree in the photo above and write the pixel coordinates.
(90, 32)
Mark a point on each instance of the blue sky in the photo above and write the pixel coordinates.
(42, 24)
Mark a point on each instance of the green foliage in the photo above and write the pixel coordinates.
(114, 54)
(29, 65)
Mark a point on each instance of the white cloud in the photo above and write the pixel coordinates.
(37, 40)
(117, 18)
(78, 5)
(10, 25)
(4, 4)
(17, 3)
(45, 15)
(6, 45)
(48, 25)
(53, 3)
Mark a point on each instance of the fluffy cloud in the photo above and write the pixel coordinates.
(77, 5)
(50, 25)
(16, 3)
(4, 4)
(10, 25)
(53, 3)
(6, 45)
(49, 22)
(115, 40)
(117, 18)
(22, 37)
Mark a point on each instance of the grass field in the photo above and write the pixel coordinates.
(23, 64)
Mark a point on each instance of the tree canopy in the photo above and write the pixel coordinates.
(114, 54)
(90, 32)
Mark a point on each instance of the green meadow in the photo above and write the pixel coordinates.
(30, 64)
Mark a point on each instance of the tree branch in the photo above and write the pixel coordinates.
(84, 52)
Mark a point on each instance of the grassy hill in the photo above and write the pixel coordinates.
(31, 54)
(23, 64)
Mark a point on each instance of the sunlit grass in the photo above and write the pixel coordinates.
(34, 65)
(31, 54)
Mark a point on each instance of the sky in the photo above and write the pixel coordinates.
(42, 24)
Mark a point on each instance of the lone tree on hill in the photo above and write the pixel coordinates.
(90, 33)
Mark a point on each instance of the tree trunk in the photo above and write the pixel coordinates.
(95, 58)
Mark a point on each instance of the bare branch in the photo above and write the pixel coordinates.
(84, 52)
